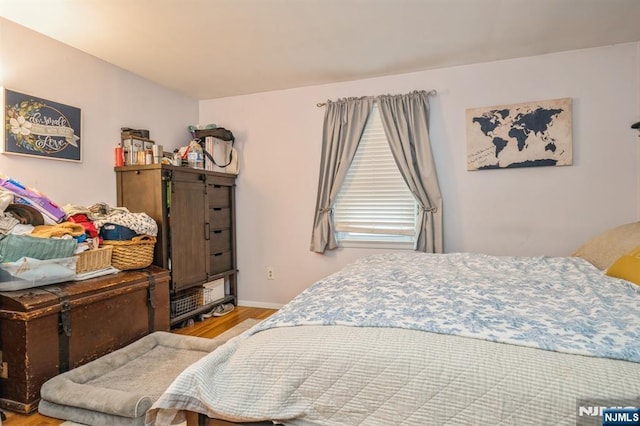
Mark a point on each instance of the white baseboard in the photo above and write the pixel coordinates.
(265, 305)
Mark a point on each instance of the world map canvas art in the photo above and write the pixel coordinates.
(529, 134)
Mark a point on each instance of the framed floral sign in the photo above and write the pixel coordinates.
(41, 128)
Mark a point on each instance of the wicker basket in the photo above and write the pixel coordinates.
(93, 260)
(136, 253)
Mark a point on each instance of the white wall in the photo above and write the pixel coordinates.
(109, 98)
(533, 211)
(526, 211)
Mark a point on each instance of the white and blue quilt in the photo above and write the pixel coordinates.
(349, 350)
(562, 304)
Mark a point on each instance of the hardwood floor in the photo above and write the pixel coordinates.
(208, 328)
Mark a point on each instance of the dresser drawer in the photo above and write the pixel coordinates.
(219, 218)
(220, 262)
(220, 241)
(219, 196)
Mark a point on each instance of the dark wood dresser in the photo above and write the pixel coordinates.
(195, 212)
(47, 330)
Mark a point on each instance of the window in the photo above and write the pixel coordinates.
(374, 207)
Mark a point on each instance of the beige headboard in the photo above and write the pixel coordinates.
(605, 248)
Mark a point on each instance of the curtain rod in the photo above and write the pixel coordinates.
(432, 92)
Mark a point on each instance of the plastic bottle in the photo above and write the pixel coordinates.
(119, 156)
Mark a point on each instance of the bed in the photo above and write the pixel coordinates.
(429, 339)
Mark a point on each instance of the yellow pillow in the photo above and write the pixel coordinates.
(627, 267)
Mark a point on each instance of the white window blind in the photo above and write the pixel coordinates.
(374, 204)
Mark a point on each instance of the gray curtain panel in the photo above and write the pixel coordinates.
(344, 122)
(405, 119)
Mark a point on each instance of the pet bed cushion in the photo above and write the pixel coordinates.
(120, 387)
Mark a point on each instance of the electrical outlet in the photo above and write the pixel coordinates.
(270, 273)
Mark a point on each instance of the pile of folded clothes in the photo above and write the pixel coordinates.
(38, 240)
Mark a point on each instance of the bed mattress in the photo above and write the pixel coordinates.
(341, 375)
(429, 339)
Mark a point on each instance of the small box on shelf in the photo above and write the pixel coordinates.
(213, 291)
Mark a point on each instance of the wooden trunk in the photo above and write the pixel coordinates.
(47, 330)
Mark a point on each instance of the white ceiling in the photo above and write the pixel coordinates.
(215, 48)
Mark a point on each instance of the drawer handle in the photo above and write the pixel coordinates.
(217, 209)
(217, 232)
(218, 254)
